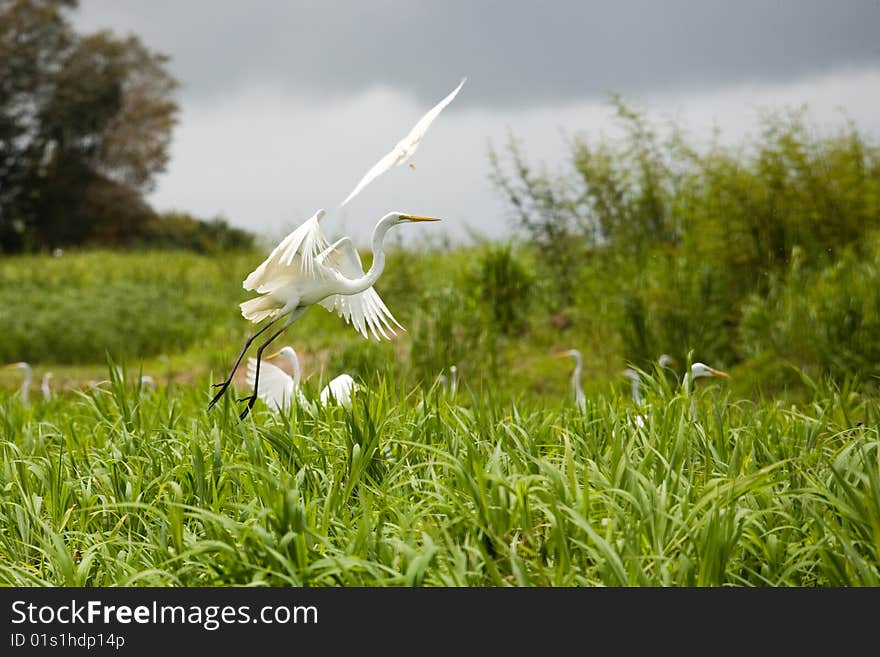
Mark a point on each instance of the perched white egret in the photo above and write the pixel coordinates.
(340, 389)
(44, 386)
(276, 387)
(304, 270)
(635, 380)
(28, 375)
(405, 148)
(579, 397)
(699, 370)
(450, 383)
(635, 377)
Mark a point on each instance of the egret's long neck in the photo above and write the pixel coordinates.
(356, 285)
(637, 391)
(26, 383)
(294, 366)
(576, 377)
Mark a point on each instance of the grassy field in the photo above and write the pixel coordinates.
(129, 486)
(505, 483)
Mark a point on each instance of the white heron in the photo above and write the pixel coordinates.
(304, 270)
(278, 388)
(28, 375)
(635, 380)
(450, 383)
(579, 397)
(635, 377)
(699, 370)
(406, 147)
(340, 389)
(44, 386)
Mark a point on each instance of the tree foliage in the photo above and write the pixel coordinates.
(85, 126)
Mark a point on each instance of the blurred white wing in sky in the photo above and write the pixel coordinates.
(406, 146)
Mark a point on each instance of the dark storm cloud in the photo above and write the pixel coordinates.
(516, 53)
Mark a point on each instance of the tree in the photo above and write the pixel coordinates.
(85, 126)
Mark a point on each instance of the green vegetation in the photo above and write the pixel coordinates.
(678, 247)
(128, 486)
(761, 261)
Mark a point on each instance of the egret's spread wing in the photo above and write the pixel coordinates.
(276, 385)
(294, 254)
(365, 310)
(341, 389)
(405, 148)
(394, 156)
(419, 129)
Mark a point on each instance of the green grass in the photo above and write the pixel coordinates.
(506, 484)
(128, 486)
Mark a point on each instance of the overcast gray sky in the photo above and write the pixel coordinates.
(286, 104)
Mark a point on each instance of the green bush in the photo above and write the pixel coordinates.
(824, 322)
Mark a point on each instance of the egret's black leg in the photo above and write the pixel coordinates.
(252, 398)
(225, 384)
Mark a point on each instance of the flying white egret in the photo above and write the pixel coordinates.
(305, 269)
(579, 397)
(26, 382)
(44, 386)
(406, 147)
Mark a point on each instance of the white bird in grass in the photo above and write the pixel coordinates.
(340, 390)
(635, 377)
(304, 270)
(26, 382)
(579, 397)
(635, 380)
(450, 383)
(44, 386)
(406, 147)
(278, 388)
(699, 370)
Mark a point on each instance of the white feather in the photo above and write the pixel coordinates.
(406, 147)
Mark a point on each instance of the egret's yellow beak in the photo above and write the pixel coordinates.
(415, 217)
(561, 354)
(723, 375)
(271, 356)
(11, 366)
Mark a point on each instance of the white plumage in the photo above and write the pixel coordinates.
(406, 147)
(339, 389)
